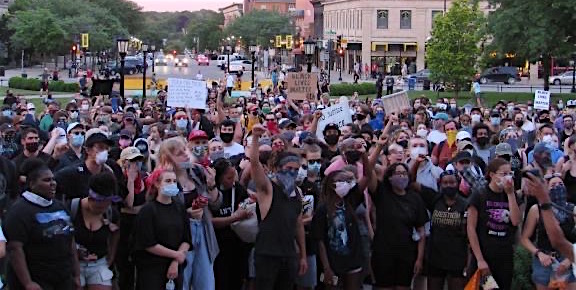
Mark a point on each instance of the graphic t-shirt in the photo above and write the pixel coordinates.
(494, 228)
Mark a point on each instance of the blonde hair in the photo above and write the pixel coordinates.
(167, 148)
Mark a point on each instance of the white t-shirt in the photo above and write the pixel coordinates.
(230, 81)
(199, 77)
(233, 150)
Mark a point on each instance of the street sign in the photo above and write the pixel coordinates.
(85, 40)
(324, 56)
(330, 32)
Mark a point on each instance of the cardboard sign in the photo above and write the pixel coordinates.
(542, 100)
(184, 93)
(395, 102)
(338, 114)
(301, 86)
(243, 94)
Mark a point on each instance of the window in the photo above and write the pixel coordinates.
(405, 19)
(382, 19)
(434, 14)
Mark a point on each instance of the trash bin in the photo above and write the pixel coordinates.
(2, 71)
(411, 84)
(24, 75)
(426, 85)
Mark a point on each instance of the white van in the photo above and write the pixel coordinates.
(222, 60)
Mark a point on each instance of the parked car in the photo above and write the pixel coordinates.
(160, 60)
(181, 60)
(130, 67)
(420, 76)
(562, 79)
(500, 74)
(246, 64)
(222, 60)
(203, 60)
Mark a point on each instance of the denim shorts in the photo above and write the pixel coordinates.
(541, 274)
(308, 280)
(95, 273)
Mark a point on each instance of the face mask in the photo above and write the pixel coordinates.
(450, 192)
(170, 190)
(314, 167)
(185, 165)
(417, 151)
(272, 125)
(560, 106)
(145, 129)
(451, 136)
(360, 117)
(124, 142)
(265, 110)
(227, 137)
(287, 178)
(400, 182)
(6, 113)
(74, 115)
(85, 107)
(545, 120)
(181, 123)
(495, 121)
(482, 141)
(105, 119)
(519, 123)
(217, 155)
(199, 150)
(302, 173)
(422, 133)
(380, 115)
(235, 119)
(471, 151)
(101, 157)
(353, 156)
(342, 188)
(403, 143)
(77, 140)
(510, 107)
(475, 118)
(331, 139)
(547, 139)
(32, 147)
(62, 125)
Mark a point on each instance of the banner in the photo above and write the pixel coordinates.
(301, 86)
(338, 114)
(395, 102)
(184, 93)
(542, 100)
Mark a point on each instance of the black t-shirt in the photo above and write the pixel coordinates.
(328, 154)
(313, 189)
(95, 241)
(160, 224)
(448, 241)
(139, 197)
(46, 234)
(494, 229)
(396, 218)
(226, 237)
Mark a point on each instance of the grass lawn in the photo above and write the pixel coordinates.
(25, 92)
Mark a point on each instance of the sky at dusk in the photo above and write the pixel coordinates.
(181, 5)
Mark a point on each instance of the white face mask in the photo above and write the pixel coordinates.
(302, 173)
(471, 151)
(74, 115)
(422, 133)
(417, 151)
(101, 157)
(344, 187)
(547, 139)
(475, 118)
(85, 107)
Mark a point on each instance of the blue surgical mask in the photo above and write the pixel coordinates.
(314, 167)
(170, 190)
(380, 115)
(182, 123)
(77, 140)
(495, 120)
(7, 113)
(287, 178)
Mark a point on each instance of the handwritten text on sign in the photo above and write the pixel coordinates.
(186, 93)
(338, 114)
(542, 100)
(301, 86)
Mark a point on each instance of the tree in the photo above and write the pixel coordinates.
(453, 49)
(259, 26)
(204, 30)
(534, 30)
(128, 13)
(37, 31)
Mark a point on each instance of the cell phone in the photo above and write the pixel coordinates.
(334, 279)
(534, 172)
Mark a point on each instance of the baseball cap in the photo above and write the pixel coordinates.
(331, 126)
(72, 126)
(462, 155)
(30, 106)
(571, 103)
(7, 127)
(130, 153)
(463, 144)
(463, 135)
(197, 134)
(503, 149)
(284, 123)
(96, 135)
(142, 145)
(441, 116)
(125, 132)
(540, 148)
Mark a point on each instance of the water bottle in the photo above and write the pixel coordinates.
(170, 285)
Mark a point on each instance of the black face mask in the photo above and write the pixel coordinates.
(519, 123)
(545, 120)
(331, 139)
(482, 141)
(227, 137)
(353, 156)
(450, 192)
(403, 143)
(32, 147)
(360, 117)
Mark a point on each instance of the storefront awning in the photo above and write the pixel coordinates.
(376, 43)
(407, 44)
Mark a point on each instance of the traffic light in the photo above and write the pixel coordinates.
(174, 52)
(74, 48)
(341, 51)
(338, 42)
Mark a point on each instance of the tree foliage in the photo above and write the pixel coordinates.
(36, 31)
(204, 30)
(453, 50)
(260, 26)
(534, 29)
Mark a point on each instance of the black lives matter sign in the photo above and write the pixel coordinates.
(301, 86)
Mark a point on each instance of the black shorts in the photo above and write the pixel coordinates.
(392, 269)
(44, 86)
(432, 271)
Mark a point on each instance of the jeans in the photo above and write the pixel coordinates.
(199, 272)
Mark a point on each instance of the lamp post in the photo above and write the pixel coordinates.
(228, 49)
(573, 90)
(253, 59)
(122, 44)
(153, 49)
(341, 56)
(309, 49)
(145, 52)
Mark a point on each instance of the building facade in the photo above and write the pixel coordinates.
(385, 34)
(282, 6)
(4, 5)
(231, 12)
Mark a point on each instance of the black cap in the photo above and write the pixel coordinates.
(98, 138)
(331, 126)
(462, 155)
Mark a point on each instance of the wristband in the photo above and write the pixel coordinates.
(545, 206)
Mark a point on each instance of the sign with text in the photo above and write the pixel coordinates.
(395, 102)
(338, 114)
(542, 100)
(301, 86)
(239, 94)
(184, 93)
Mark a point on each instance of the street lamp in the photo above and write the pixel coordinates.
(145, 52)
(253, 52)
(122, 44)
(341, 54)
(573, 90)
(153, 49)
(309, 49)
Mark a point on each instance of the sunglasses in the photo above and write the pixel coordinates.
(79, 133)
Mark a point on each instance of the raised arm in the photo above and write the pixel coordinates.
(263, 184)
(314, 126)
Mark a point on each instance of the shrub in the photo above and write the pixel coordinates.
(34, 85)
(345, 89)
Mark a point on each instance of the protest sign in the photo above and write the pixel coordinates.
(301, 85)
(542, 100)
(186, 93)
(338, 114)
(395, 102)
(243, 94)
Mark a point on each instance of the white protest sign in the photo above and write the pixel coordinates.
(186, 93)
(542, 100)
(338, 114)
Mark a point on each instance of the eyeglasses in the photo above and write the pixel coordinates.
(400, 173)
(315, 161)
(78, 133)
(73, 111)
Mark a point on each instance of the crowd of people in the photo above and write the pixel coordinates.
(251, 193)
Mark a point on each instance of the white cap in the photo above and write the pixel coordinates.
(463, 135)
(72, 126)
(30, 106)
